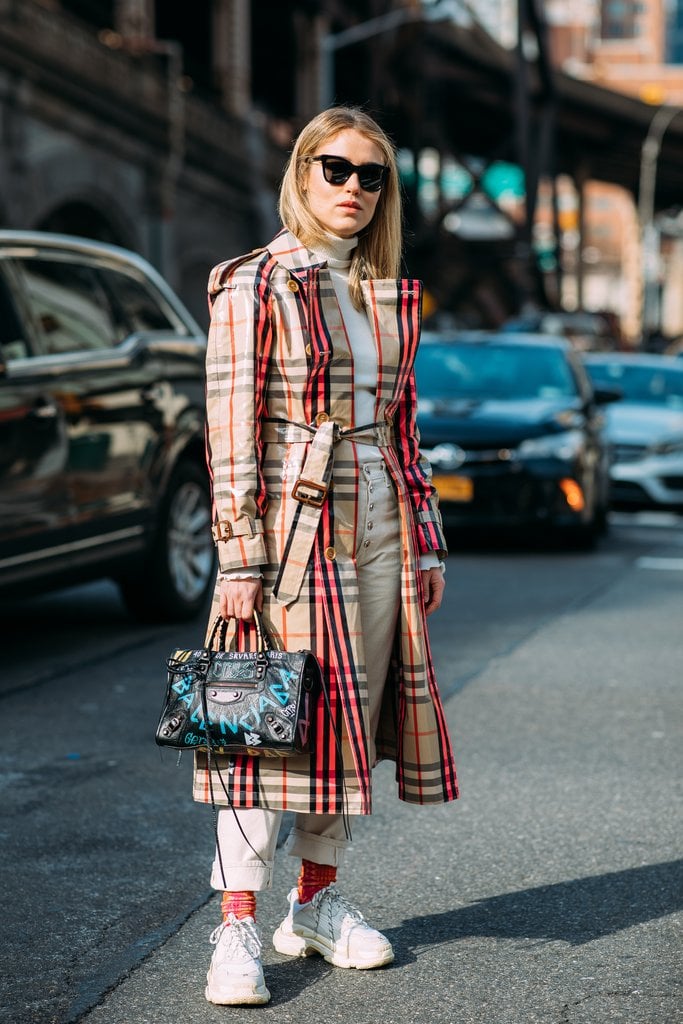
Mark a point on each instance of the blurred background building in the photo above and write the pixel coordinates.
(520, 127)
(635, 48)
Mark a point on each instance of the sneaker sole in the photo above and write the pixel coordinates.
(248, 997)
(295, 945)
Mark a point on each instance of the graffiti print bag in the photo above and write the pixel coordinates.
(257, 702)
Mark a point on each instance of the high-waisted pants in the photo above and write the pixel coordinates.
(321, 838)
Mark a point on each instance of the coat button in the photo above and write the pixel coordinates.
(330, 553)
(322, 417)
(292, 285)
(309, 350)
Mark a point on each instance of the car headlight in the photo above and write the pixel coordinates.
(565, 445)
(673, 447)
(445, 456)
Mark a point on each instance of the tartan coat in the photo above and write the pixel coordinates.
(279, 396)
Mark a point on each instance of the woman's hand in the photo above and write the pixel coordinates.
(240, 597)
(433, 586)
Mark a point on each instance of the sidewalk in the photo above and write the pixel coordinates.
(546, 895)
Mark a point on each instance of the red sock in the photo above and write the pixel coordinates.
(313, 878)
(241, 904)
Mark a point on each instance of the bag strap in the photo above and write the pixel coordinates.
(219, 633)
(210, 762)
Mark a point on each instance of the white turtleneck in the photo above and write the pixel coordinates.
(337, 253)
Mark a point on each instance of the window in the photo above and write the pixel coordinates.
(619, 19)
(140, 308)
(100, 13)
(641, 384)
(482, 372)
(13, 344)
(69, 306)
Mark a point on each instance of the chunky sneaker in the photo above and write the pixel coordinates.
(329, 925)
(235, 977)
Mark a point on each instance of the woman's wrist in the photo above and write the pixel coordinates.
(229, 575)
(430, 560)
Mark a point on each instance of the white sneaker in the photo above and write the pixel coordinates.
(329, 925)
(235, 977)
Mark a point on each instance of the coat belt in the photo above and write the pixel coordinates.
(311, 488)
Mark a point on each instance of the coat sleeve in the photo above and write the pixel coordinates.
(418, 474)
(236, 373)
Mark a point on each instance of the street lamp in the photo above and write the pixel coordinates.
(649, 235)
(440, 10)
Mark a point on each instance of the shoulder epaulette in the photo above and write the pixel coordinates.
(221, 274)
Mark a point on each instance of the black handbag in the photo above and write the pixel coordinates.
(259, 702)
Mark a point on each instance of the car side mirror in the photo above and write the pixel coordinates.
(603, 396)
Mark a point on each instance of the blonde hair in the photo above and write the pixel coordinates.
(378, 253)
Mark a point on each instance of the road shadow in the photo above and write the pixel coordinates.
(62, 631)
(288, 978)
(576, 912)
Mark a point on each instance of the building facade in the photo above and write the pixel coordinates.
(115, 129)
(630, 46)
(165, 127)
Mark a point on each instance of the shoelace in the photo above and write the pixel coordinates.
(241, 934)
(336, 899)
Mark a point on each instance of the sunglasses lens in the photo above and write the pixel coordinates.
(337, 171)
(371, 177)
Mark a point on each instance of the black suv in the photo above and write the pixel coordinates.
(102, 469)
(514, 432)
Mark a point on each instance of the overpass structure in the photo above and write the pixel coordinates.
(455, 89)
(102, 136)
(474, 93)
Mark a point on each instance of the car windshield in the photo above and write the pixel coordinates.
(484, 371)
(649, 385)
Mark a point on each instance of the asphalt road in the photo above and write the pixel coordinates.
(551, 892)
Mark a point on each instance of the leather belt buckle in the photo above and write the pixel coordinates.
(314, 500)
(222, 531)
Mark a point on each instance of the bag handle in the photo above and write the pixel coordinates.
(219, 632)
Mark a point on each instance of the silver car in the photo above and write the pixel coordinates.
(645, 428)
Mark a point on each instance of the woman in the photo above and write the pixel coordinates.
(325, 520)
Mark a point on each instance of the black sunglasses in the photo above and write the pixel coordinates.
(337, 170)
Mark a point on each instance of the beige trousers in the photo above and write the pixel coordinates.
(321, 837)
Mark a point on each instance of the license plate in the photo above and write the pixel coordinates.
(454, 488)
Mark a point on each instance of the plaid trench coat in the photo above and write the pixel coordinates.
(279, 396)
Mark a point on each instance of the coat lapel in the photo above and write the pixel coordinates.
(331, 368)
(292, 255)
(394, 311)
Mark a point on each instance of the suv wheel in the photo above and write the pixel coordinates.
(176, 580)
